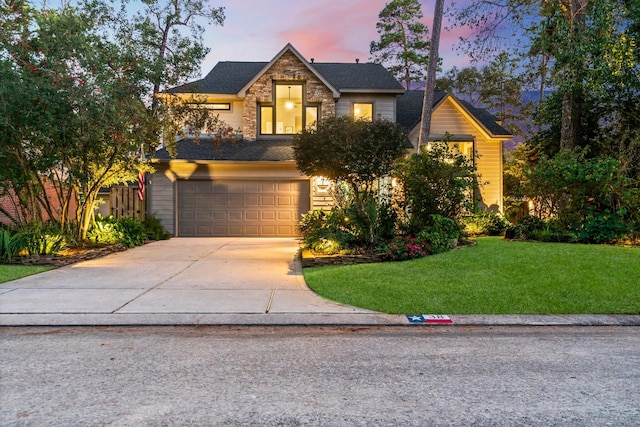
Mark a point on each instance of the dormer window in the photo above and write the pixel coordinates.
(288, 113)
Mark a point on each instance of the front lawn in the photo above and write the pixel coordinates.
(13, 272)
(495, 277)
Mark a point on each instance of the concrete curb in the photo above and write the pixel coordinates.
(305, 319)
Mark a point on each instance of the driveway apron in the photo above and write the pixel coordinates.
(176, 276)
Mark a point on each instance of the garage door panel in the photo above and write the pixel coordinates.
(202, 215)
(285, 201)
(236, 215)
(252, 215)
(252, 200)
(285, 215)
(268, 200)
(241, 208)
(268, 215)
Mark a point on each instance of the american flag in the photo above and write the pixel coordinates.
(140, 185)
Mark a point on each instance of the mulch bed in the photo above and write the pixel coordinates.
(69, 256)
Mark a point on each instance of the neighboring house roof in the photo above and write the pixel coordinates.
(409, 111)
(250, 151)
(233, 78)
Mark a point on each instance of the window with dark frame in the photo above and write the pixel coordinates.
(289, 113)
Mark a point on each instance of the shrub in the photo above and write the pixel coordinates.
(603, 228)
(108, 230)
(9, 246)
(436, 181)
(326, 232)
(38, 240)
(154, 229)
(103, 230)
(485, 223)
(525, 228)
(402, 248)
(438, 242)
(133, 232)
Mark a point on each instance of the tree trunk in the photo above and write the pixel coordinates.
(432, 68)
(572, 99)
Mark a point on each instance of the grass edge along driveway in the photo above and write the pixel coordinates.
(13, 272)
(495, 277)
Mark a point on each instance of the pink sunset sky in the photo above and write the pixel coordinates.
(326, 30)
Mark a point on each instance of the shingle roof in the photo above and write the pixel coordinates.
(262, 150)
(409, 107)
(231, 77)
(224, 78)
(409, 111)
(345, 76)
(486, 118)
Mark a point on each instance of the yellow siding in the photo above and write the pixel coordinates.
(447, 118)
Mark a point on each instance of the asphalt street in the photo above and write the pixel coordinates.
(320, 376)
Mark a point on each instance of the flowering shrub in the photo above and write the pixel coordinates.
(403, 247)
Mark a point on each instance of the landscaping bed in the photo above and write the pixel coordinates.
(68, 256)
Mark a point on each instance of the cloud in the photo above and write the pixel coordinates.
(327, 30)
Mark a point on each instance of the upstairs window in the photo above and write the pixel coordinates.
(363, 111)
(288, 113)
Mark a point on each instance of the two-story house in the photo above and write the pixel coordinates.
(252, 187)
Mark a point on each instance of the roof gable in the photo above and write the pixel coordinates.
(409, 112)
(288, 48)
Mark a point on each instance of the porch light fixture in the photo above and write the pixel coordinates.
(289, 104)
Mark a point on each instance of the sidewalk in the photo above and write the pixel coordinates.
(208, 281)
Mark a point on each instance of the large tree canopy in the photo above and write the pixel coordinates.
(76, 102)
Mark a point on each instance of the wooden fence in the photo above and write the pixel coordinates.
(124, 202)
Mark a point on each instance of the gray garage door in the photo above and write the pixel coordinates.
(241, 208)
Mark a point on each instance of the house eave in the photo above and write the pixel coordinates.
(374, 91)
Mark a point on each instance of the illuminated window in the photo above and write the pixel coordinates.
(311, 117)
(465, 148)
(363, 111)
(288, 114)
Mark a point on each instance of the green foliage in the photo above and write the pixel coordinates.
(126, 230)
(441, 233)
(133, 232)
(39, 240)
(326, 232)
(356, 154)
(9, 245)
(154, 229)
(486, 223)
(525, 228)
(437, 181)
(403, 46)
(103, 230)
(602, 228)
(402, 248)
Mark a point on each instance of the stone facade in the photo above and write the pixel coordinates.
(290, 69)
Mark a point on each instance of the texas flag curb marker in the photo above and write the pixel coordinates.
(429, 318)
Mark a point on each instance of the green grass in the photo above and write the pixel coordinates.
(495, 277)
(13, 272)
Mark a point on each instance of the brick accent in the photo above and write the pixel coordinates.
(288, 68)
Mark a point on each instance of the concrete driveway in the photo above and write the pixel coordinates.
(177, 281)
